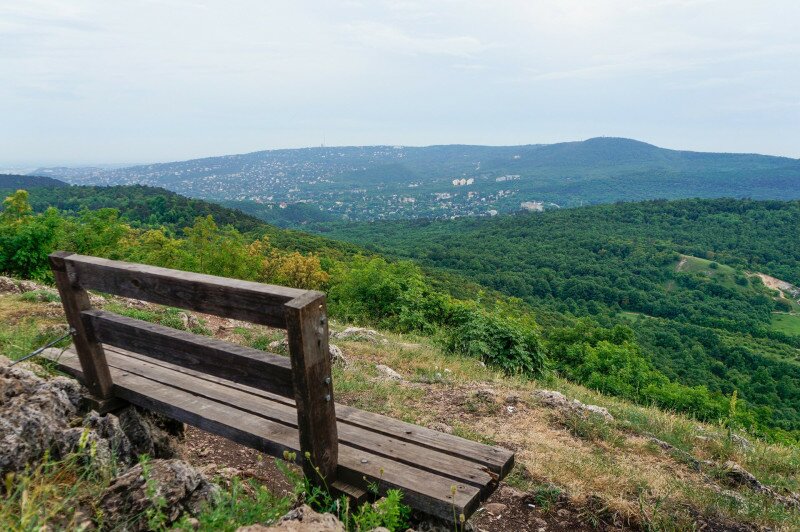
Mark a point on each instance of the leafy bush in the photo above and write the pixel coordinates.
(501, 341)
(26, 240)
(390, 295)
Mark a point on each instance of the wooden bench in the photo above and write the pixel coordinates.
(265, 401)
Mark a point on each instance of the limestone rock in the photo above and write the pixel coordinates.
(358, 333)
(301, 519)
(739, 476)
(8, 286)
(441, 427)
(34, 412)
(495, 508)
(337, 355)
(150, 433)
(128, 434)
(30, 286)
(183, 489)
(512, 399)
(486, 395)
(189, 320)
(558, 400)
(37, 415)
(281, 346)
(389, 372)
(742, 442)
(135, 303)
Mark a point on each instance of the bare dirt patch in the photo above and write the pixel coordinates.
(777, 284)
(217, 456)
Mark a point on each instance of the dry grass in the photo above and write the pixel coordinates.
(637, 481)
(612, 469)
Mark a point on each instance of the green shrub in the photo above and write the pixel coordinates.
(389, 295)
(39, 296)
(501, 341)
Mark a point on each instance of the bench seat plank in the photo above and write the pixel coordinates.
(496, 460)
(268, 422)
(459, 470)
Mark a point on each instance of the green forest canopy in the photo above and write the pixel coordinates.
(668, 360)
(704, 320)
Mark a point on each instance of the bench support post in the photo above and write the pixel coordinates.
(307, 328)
(90, 352)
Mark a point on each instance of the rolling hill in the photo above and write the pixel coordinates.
(15, 181)
(396, 182)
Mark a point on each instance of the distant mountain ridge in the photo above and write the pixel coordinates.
(29, 181)
(385, 182)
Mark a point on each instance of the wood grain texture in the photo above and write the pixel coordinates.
(458, 469)
(307, 331)
(242, 365)
(220, 296)
(496, 460)
(431, 493)
(75, 300)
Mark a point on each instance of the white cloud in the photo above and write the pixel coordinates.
(145, 80)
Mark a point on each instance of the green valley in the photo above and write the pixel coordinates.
(680, 274)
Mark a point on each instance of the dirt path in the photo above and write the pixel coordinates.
(681, 264)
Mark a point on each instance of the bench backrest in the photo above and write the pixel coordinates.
(305, 375)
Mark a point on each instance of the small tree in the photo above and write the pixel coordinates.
(16, 207)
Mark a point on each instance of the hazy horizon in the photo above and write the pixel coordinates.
(101, 164)
(139, 82)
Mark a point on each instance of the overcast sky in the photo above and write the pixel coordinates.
(140, 81)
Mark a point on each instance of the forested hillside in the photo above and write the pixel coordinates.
(679, 273)
(143, 206)
(15, 181)
(400, 182)
(690, 358)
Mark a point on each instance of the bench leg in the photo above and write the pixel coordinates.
(90, 352)
(307, 328)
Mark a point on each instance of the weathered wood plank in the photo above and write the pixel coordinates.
(220, 296)
(458, 469)
(76, 300)
(425, 491)
(498, 460)
(242, 365)
(307, 331)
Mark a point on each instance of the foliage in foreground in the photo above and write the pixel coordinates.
(54, 493)
(388, 511)
(60, 494)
